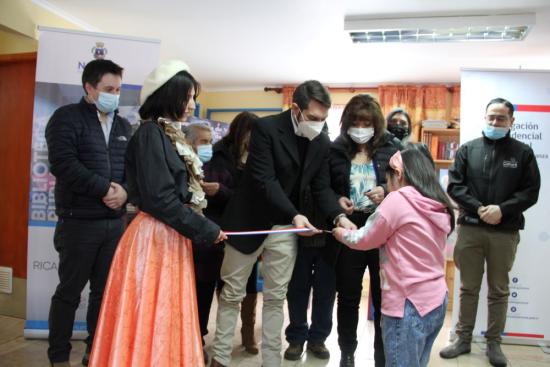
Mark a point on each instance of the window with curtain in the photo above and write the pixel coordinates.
(333, 121)
(422, 102)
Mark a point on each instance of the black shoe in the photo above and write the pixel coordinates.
(454, 350)
(319, 350)
(86, 358)
(294, 352)
(379, 358)
(496, 357)
(347, 360)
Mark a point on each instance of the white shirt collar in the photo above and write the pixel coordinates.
(294, 123)
(106, 126)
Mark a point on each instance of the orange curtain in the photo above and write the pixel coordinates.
(423, 102)
(455, 103)
(287, 96)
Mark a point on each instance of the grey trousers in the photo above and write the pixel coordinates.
(278, 257)
(476, 246)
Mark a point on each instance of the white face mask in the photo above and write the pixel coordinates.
(309, 129)
(361, 135)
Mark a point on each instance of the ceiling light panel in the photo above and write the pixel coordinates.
(512, 27)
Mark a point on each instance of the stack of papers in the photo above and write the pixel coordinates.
(435, 124)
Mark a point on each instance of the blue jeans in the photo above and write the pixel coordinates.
(408, 340)
(310, 271)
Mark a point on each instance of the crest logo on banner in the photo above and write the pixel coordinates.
(99, 51)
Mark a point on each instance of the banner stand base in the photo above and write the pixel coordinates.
(481, 342)
(43, 334)
(545, 348)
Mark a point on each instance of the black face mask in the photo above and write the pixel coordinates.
(400, 132)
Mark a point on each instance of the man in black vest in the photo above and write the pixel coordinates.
(86, 147)
(287, 153)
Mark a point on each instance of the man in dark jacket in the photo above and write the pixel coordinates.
(86, 146)
(494, 179)
(287, 153)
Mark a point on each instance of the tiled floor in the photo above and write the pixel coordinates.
(15, 351)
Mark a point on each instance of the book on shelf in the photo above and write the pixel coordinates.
(427, 140)
(441, 150)
(434, 143)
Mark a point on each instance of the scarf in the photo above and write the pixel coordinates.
(172, 129)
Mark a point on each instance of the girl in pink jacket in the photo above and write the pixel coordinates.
(410, 227)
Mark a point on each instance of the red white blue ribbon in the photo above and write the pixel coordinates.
(268, 231)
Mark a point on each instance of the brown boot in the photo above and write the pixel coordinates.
(248, 318)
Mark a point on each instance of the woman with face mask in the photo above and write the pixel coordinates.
(399, 124)
(358, 161)
(222, 174)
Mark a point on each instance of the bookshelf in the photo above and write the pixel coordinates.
(443, 144)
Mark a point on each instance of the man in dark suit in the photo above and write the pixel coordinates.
(287, 153)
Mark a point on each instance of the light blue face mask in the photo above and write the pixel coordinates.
(107, 102)
(495, 132)
(204, 152)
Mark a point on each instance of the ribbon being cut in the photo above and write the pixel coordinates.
(272, 231)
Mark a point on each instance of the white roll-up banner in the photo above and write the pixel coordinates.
(528, 316)
(62, 56)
